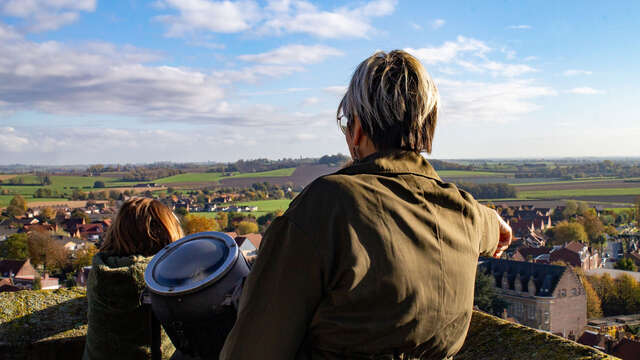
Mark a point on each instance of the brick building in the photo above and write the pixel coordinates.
(542, 296)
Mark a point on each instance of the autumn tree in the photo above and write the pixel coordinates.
(84, 256)
(619, 296)
(594, 304)
(247, 227)
(223, 220)
(569, 231)
(17, 206)
(628, 294)
(570, 209)
(592, 225)
(15, 247)
(48, 213)
(44, 250)
(194, 224)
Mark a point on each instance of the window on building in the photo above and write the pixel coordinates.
(531, 311)
(563, 292)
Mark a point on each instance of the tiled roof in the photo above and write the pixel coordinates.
(526, 251)
(575, 246)
(627, 349)
(255, 239)
(567, 256)
(591, 338)
(11, 266)
(545, 277)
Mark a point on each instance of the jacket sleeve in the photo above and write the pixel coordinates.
(279, 298)
(489, 230)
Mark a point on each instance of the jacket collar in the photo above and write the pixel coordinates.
(392, 162)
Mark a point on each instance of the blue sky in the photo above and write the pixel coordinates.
(95, 81)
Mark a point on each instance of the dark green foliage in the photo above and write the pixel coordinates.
(43, 178)
(489, 191)
(626, 264)
(37, 283)
(485, 297)
(98, 184)
(79, 214)
(334, 160)
(15, 247)
(590, 169)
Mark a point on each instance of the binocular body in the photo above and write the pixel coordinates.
(195, 284)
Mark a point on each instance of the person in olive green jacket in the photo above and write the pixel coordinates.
(378, 260)
(119, 325)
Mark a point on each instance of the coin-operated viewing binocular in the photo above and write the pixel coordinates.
(194, 287)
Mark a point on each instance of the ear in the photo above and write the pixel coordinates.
(356, 132)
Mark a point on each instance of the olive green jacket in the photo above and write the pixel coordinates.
(119, 326)
(376, 261)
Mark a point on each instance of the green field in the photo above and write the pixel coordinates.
(191, 177)
(466, 173)
(62, 183)
(264, 207)
(560, 194)
(576, 181)
(6, 199)
(272, 173)
(216, 176)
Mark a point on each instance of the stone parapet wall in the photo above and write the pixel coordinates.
(51, 325)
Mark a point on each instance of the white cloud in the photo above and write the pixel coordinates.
(254, 74)
(415, 26)
(44, 15)
(305, 136)
(509, 70)
(585, 90)
(489, 102)
(574, 72)
(101, 78)
(310, 101)
(215, 16)
(470, 55)
(10, 141)
(276, 17)
(519, 27)
(437, 23)
(293, 54)
(450, 50)
(338, 90)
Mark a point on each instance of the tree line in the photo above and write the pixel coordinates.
(588, 169)
(489, 191)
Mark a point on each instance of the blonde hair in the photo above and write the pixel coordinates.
(395, 100)
(142, 227)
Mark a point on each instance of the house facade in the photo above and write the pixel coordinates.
(542, 296)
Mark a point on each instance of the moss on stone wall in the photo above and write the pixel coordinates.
(31, 316)
(51, 325)
(490, 337)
